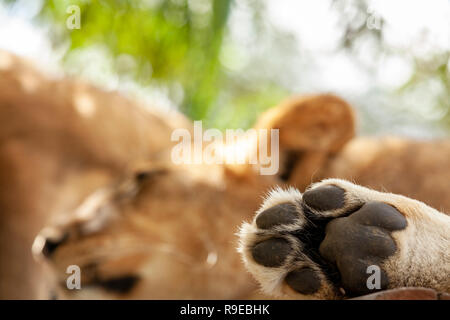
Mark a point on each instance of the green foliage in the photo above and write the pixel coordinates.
(188, 48)
(179, 41)
(431, 74)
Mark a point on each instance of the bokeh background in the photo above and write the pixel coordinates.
(226, 61)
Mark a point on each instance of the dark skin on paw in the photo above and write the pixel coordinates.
(342, 248)
(325, 198)
(271, 253)
(284, 213)
(360, 240)
(303, 280)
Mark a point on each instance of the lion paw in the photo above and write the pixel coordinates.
(326, 243)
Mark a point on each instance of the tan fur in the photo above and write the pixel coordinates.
(60, 140)
(176, 228)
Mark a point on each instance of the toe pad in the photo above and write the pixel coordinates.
(325, 198)
(271, 253)
(303, 280)
(284, 213)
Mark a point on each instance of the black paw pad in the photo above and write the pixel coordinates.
(303, 280)
(381, 215)
(360, 240)
(325, 198)
(272, 252)
(284, 213)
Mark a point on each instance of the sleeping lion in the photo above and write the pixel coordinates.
(87, 180)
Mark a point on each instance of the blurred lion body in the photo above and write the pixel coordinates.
(93, 170)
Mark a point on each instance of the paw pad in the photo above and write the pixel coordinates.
(369, 244)
(321, 243)
(271, 253)
(325, 198)
(284, 213)
(304, 280)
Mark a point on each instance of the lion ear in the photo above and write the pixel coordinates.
(311, 128)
